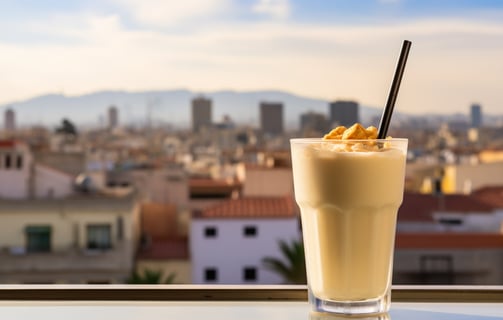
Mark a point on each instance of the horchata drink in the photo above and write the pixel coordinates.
(349, 186)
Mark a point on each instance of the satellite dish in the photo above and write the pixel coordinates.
(84, 183)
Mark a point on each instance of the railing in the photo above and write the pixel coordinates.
(67, 259)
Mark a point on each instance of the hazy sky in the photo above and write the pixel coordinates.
(326, 49)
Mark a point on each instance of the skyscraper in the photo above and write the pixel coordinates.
(344, 113)
(313, 123)
(113, 117)
(476, 115)
(271, 118)
(201, 113)
(10, 120)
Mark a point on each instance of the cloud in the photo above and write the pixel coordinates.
(452, 62)
(273, 8)
(161, 13)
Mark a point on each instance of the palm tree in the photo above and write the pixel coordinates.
(293, 271)
(151, 277)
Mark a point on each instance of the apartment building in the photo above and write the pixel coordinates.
(450, 239)
(229, 240)
(460, 258)
(87, 238)
(25, 175)
(55, 227)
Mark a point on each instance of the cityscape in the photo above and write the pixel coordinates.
(213, 202)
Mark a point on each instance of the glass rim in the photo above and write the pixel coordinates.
(311, 140)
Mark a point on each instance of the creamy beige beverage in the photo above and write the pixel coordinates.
(349, 193)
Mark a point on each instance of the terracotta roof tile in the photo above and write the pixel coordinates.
(7, 143)
(165, 249)
(420, 207)
(251, 207)
(492, 195)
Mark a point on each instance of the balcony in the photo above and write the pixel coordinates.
(17, 260)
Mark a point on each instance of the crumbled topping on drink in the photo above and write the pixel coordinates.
(355, 132)
(347, 137)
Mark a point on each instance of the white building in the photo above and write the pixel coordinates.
(22, 177)
(15, 169)
(229, 240)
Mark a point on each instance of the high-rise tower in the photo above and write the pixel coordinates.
(201, 113)
(113, 117)
(475, 116)
(271, 118)
(344, 113)
(10, 120)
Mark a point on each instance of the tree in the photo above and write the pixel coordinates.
(293, 267)
(67, 127)
(151, 277)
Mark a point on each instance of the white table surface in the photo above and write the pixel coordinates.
(222, 310)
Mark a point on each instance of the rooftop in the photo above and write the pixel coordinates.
(7, 144)
(71, 163)
(420, 207)
(251, 207)
(165, 249)
(492, 195)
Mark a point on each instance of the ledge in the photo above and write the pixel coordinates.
(443, 294)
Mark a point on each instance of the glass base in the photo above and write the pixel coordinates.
(313, 315)
(373, 306)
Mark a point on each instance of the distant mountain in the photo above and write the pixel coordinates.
(173, 108)
(165, 107)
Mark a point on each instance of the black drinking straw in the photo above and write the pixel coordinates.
(393, 93)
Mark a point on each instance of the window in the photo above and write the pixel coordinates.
(210, 274)
(38, 238)
(7, 161)
(210, 232)
(250, 274)
(250, 231)
(451, 221)
(19, 161)
(99, 236)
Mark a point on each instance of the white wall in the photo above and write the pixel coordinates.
(477, 176)
(14, 180)
(49, 183)
(268, 182)
(230, 251)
